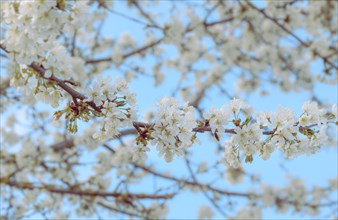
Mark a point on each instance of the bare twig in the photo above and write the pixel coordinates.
(213, 202)
(144, 14)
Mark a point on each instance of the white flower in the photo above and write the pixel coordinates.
(333, 183)
(248, 212)
(240, 137)
(158, 211)
(269, 195)
(115, 113)
(139, 153)
(263, 118)
(230, 156)
(266, 149)
(205, 212)
(123, 154)
(311, 114)
(248, 133)
(174, 33)
(173, 128)
(236, 105)
(48, 95)
(217, 118)
(234, 176)
(283, 116)
(95, 94)
(202, 167)
(117, 57)
(284, 133)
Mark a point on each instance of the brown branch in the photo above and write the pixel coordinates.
(119, 210)
(127, 132)
(187, 182)
(41, 71)
(4, 48)
(199, 129)
(143, 48)
(75, 94)
(3, 86)
(225, 20)
(53, 189)
(68, 143)
(139, 50)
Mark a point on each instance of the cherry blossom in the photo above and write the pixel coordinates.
(90, 147)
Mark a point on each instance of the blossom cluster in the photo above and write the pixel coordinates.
(295, 197)
(247, 213)
(218, 118)
(173, 128)
(117, 104)
(205, 212)
(291, 135)
(32, 30)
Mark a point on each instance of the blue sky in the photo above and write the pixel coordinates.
(314, 169)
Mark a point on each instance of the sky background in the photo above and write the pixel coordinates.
(315, 169)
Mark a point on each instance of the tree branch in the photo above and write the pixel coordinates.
(75, 94)
(53, 189)
(139, 50)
